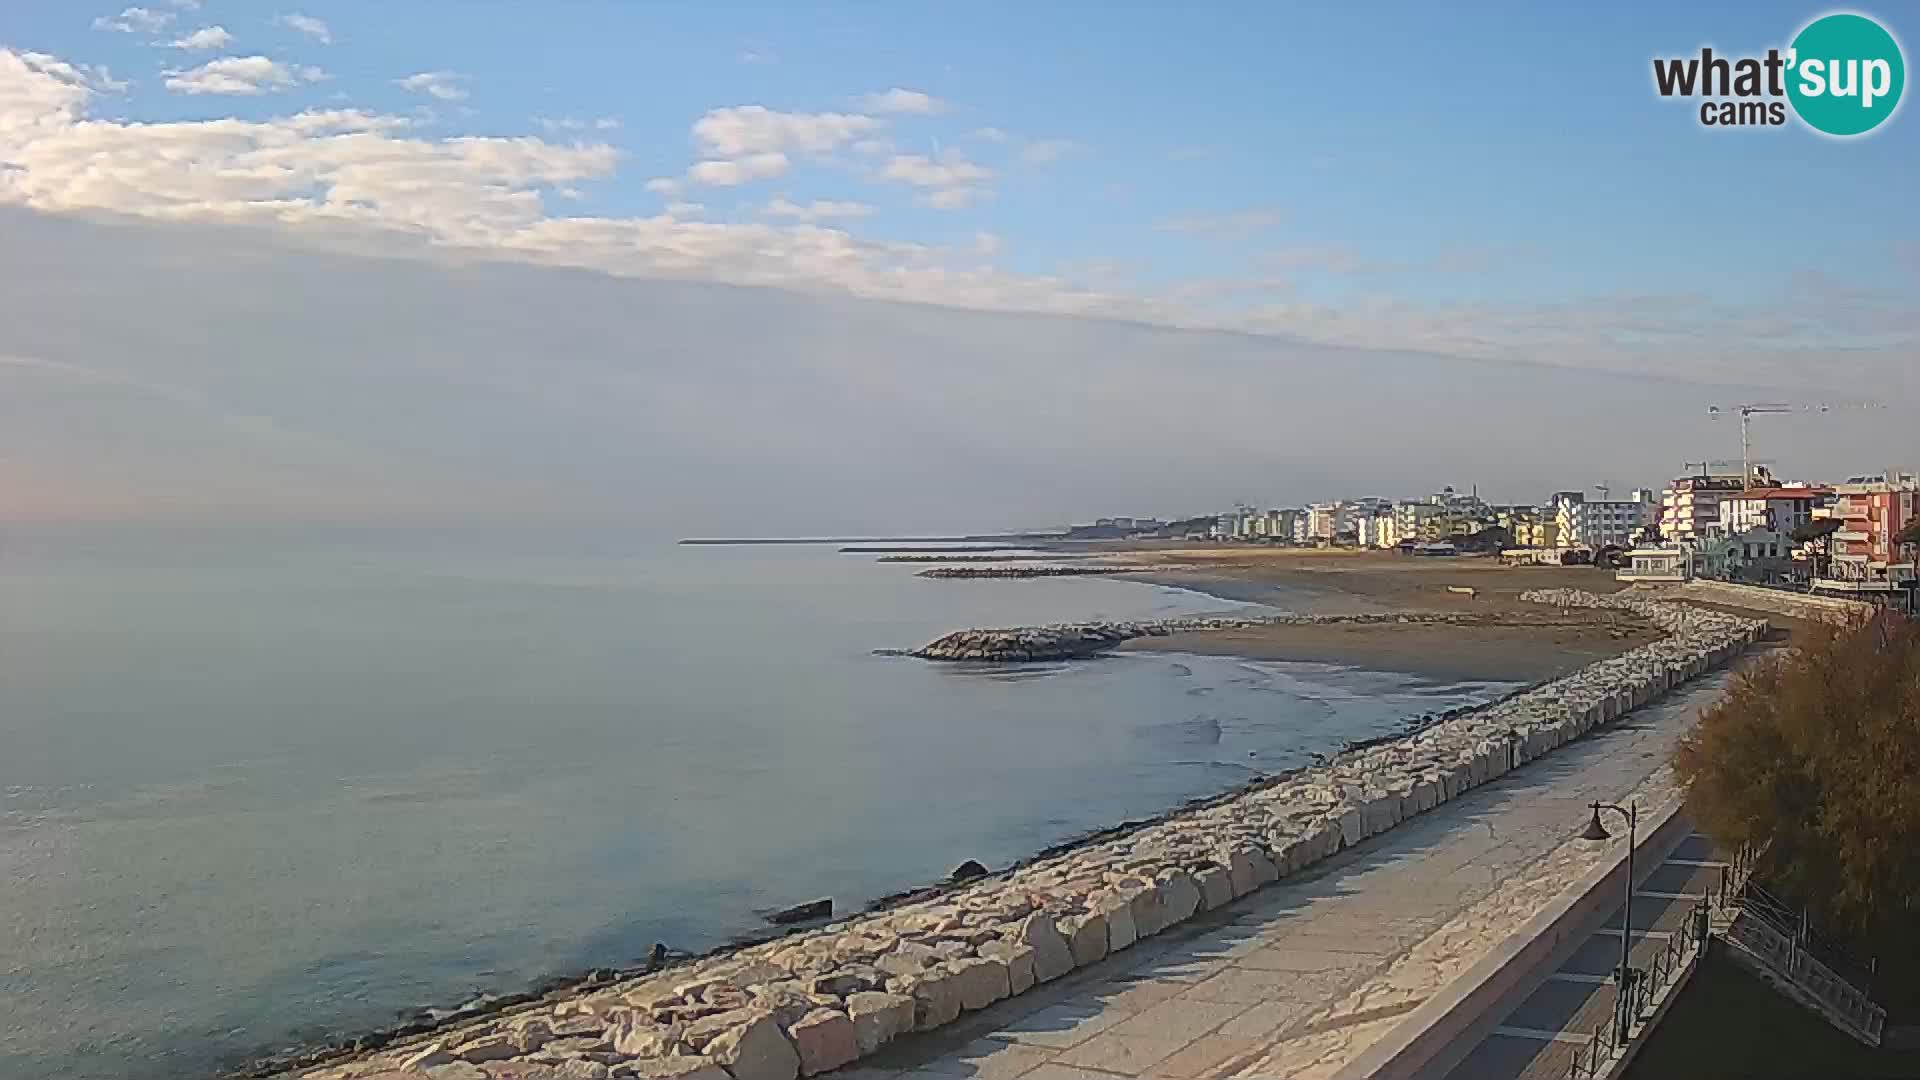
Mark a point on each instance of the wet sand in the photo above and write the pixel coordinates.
(1345, 582)
(1439, 652)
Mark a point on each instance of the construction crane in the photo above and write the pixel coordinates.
(1748, 411)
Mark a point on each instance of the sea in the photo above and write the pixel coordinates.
(266, 788)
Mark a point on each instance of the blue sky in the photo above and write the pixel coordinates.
(1495, 183)
(1519, 144)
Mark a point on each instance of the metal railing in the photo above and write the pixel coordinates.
(1788, 921)
(1635, 1000)
(1787, 954)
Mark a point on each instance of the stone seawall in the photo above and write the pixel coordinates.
(820, 999)
(1830, 609)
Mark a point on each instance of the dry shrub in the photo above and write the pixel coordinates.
(1817, 750)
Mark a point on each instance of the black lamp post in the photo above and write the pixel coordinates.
(1596, 831)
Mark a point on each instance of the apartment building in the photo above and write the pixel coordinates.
(1873, 510)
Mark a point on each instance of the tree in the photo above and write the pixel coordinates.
(1910, 534)
(1819, 534)
(1493, 538)
(1815, 753)
(1816, 529)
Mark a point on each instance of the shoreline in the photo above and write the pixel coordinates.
(1292, 597)
(1064, 907)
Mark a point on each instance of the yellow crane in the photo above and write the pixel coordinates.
(1748, 411)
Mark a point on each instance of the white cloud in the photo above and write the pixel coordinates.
(951, 170)
(207, 37)
(185, 5)
(986, 244)
(346, 178)
(898, 100)
(241, 75)
(442, 85)
(756, 56)
(955, 180)
(741, 170)
(606, 123)
(755, 129)
(744, 143)
(817, 210)
(958, 198)
(871, 147)
(135, 20)
(1046, 151)
(1229, 224)
(988, 134)
(308, 25)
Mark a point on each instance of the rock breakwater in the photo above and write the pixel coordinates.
(820, 999)
(1067, 641)
(1057, 557)
(1082, 570)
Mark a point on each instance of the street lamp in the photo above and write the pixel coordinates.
(1596, 831)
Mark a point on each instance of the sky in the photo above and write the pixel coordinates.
(1003, 266)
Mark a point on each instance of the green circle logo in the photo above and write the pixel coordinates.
(1845, 74)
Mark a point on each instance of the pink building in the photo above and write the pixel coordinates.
(1872, 511)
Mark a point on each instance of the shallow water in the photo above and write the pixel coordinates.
(255, 793)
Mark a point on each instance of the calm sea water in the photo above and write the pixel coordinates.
(259, 792)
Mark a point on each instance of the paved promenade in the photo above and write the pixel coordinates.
(1539, 1036)
(1300, 977)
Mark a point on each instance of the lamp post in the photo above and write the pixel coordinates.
(1596, 831)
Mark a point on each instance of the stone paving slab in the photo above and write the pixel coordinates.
(1284, 983)
(1578, 999)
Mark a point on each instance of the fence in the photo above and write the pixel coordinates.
(1786, 953)
(1638, 991)
(1643, 985)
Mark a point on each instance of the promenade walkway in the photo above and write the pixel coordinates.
(1297, 979)
(1538, 1038)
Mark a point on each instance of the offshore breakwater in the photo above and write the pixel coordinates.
(1081, 570)
(1066, 641)
(823, 998)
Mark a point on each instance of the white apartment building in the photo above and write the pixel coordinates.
(1409, 517)
(1366, 528)
(1386, 531)
(1690, 506)
(1782, 509)
(1325, 520)
(1598, 523)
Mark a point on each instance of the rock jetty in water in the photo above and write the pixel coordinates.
(1066, 641)
(1027, 571)
(975, 558)
(820, 999)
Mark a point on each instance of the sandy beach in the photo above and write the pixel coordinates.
(1317, 581)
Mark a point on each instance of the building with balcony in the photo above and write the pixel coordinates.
(1781, 509)
(1325, 520)
(1872, 511)
(1690, 505)
(1580, 522)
